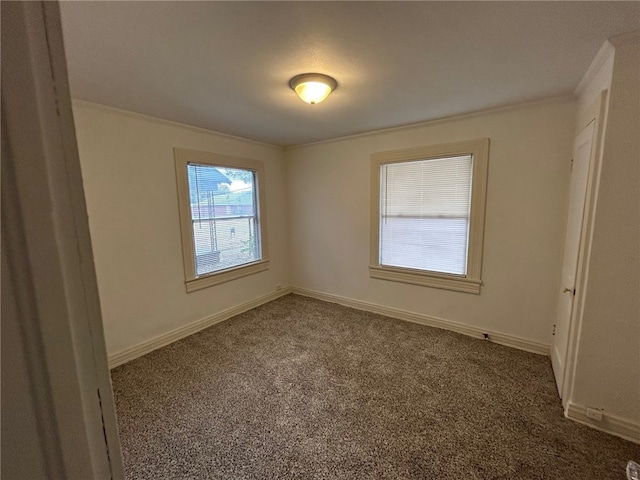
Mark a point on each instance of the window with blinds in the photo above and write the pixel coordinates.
(222, 217)
(427, 223)
(424, 214)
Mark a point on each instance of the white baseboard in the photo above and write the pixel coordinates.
(128, 354)
(496, 337)
(612, 424)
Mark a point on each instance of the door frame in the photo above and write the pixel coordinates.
(596, 112)
(583, 148)
(49, 259)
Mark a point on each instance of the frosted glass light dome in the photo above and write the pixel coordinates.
(313, 87)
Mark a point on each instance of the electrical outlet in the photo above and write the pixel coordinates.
(594, 414)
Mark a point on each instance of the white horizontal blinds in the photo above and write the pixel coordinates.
(424, 214)
(224, 217)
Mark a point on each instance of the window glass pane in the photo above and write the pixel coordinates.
(424, 214)
(224, 217)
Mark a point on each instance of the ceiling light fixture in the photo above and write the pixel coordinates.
(313, 87)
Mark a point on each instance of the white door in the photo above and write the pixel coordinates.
(577, 197)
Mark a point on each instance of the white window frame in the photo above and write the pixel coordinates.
(472, 281)
(183, 157)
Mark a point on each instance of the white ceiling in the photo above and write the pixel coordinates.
(225, 66)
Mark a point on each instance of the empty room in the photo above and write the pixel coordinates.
(338, 240)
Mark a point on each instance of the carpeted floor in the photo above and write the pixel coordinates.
(300, 388)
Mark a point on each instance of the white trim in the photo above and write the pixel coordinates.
(597, 113)
(128, 354)
(418, 277)
(573, 251)
(438, 121)
(610, 423)
(476, 113)
(131, 353)
(495, 337)
(223, 276)
(598, 62)
(170, 123)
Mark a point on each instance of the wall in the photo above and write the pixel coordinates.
(129, 177)
(608, 359)
(529, 167)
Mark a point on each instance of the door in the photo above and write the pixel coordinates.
(577, 197)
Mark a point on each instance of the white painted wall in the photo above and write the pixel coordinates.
(129, 177)
(608, 357)
(529, 166)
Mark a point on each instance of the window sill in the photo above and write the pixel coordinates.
(226, 275)
(418, 277)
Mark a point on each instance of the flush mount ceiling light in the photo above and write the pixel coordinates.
(313, 87)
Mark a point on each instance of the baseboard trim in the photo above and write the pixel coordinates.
(495, 337)
(612, 424)
(128, 354)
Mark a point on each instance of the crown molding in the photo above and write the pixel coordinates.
(626, 37)
(77, 102)
(463, 116)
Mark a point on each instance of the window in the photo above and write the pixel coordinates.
(428, 215)
(221, 202)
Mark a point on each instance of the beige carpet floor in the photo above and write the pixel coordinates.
(300, 388)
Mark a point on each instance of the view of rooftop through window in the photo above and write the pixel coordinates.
(224, 217)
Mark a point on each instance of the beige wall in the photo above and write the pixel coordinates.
(529, 166)
(128, 172)
(127, 163)
(319, 206)
(608, 356)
